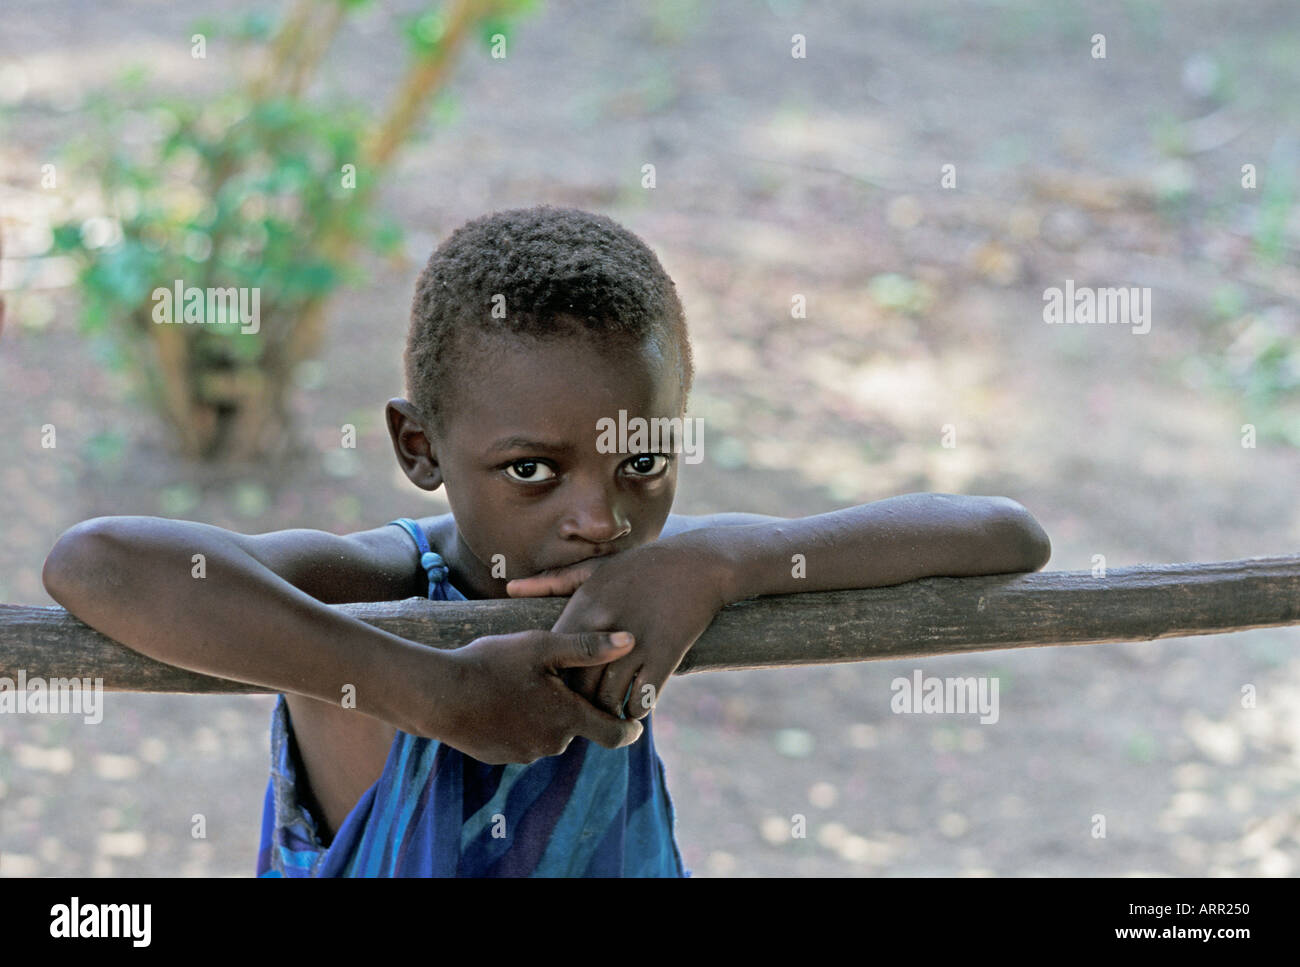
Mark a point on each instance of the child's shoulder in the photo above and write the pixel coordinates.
(439, 531)
(378, 564)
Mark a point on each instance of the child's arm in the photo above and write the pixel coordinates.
(197, 597)
(258, 614)
(872, 545)
(667, 592)
(887, 542)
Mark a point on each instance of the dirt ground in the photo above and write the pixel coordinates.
(776, 176)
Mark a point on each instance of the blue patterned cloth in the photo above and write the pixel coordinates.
(435, 811)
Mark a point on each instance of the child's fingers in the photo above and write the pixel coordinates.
(642, 696)
(585, 681)
(586, 648)
(541, 586)
(557, 582)
(604, 729)
(615, 690)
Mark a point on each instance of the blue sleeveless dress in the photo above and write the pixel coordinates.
(435, 811)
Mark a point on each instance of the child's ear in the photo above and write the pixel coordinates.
(412, 444)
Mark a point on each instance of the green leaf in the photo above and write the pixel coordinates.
(67, 238)
(93, 317)
(446, 109)
(208, 27)
(106, 448)
(388, 236)
(255, 25)
(489, 27)
(133, 78)
(424, 32)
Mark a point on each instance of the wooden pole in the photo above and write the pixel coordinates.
(934, 616)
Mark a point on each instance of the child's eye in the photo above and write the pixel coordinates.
(528, 471)
(648, 465)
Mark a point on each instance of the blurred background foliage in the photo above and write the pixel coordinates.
(263, 187)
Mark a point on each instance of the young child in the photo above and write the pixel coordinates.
(520, 754)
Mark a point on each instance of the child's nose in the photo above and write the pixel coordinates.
(594, 516)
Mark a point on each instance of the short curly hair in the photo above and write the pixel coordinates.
(559, 270)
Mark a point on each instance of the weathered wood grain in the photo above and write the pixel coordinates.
(935, 616)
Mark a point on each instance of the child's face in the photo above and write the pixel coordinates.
(519, 456)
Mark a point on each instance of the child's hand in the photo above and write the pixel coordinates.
(666, 593)
(501, 698)
(559, 582)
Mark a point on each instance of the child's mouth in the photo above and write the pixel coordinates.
(575, 561)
